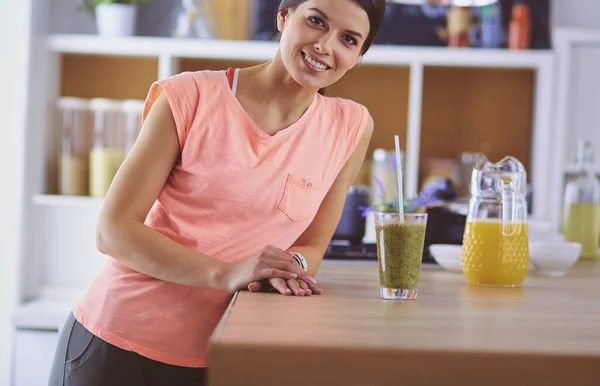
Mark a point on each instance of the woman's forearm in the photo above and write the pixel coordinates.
(147, 251)
(313, 256)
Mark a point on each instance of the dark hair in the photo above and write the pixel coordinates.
(375, 9)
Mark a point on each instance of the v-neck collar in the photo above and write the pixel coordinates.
(235, 103)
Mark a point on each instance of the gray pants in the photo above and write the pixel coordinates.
(82, 359)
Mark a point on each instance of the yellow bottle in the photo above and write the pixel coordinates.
(496, 242)
(581, 210)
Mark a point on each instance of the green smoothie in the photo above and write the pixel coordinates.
(399, 252)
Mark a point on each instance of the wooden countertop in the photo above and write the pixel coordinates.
(545, 333)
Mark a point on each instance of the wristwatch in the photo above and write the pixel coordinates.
(301, 260)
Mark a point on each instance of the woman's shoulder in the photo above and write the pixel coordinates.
(202, 77)
(343, 107)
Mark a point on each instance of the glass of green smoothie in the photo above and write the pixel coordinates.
(400, 243)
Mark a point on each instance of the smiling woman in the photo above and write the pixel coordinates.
(237, 182)
(354, 37)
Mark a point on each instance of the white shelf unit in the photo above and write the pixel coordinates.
(45, 210)
(170, 51)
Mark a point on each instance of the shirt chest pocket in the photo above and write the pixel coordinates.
(301, 198)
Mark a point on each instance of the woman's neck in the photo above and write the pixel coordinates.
(271, 84)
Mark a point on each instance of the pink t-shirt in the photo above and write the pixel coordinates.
(234, 190)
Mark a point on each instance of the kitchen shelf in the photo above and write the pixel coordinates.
(156, 47)
(66, 201)
(264, 50)
(407, 65)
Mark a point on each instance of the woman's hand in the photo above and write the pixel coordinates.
(270, 263)
(286, 287)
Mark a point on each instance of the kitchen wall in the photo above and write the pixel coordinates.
(14, 50)
(578, 13)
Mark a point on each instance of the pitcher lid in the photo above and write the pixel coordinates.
(491, 179)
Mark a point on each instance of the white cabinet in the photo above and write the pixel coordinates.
(37, 323)
(33, 355)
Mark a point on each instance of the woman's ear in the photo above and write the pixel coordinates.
(357, 61)
(281, 19)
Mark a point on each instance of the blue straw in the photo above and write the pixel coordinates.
(399, 172)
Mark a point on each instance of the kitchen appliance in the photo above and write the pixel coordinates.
(445, 225)
(351, 227)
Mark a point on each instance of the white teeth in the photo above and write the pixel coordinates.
(315, 63)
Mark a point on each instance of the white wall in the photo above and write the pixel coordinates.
(581, 118)
(155, 19)
(14, 58)
(576, 13)
(66, 17)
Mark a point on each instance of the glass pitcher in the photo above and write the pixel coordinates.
(495, 242)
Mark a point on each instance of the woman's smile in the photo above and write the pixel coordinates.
(314, 63)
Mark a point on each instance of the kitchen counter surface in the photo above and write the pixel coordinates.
(545, 333)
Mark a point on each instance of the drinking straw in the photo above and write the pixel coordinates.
(399, 172)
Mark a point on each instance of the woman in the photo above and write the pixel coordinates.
(237, 181)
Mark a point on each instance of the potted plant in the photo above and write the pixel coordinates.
(114, 17)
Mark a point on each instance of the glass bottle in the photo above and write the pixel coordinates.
(459, 24)
(133, 112)
(581, 205)
(191, 21)
(384, 178)
(519, 29)
(74, 123)
(108, 152)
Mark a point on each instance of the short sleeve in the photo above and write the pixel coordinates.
(182, 95)
(358, 120)
(361, 120)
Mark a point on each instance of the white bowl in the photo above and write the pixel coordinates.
(448, 256)
(553, 258)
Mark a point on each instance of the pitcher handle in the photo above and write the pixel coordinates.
(509, 214)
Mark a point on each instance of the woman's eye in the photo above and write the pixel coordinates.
(350, 40)
(315, 20)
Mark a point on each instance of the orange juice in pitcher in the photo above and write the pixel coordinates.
(495, 243)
